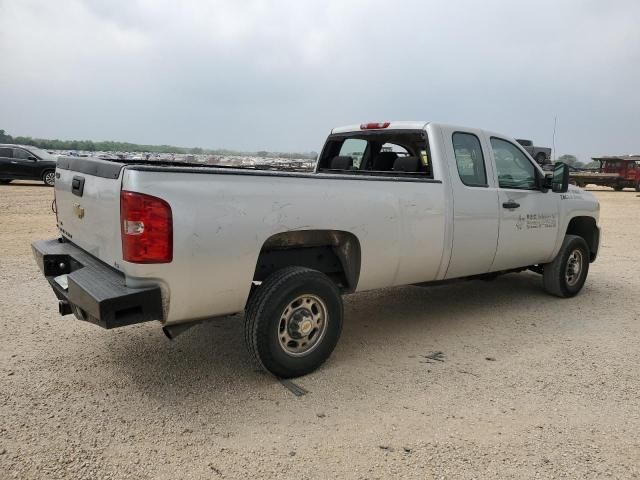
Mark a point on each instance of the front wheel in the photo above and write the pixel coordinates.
(565, 276)
(293, 321)
(49, 178)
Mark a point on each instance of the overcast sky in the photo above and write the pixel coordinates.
(278, 75)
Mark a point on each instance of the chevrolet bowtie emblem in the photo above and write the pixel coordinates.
(78, 210)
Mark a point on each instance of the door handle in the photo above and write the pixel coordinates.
(77, 185)
(510, 204)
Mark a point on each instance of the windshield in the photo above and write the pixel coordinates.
(43, 154)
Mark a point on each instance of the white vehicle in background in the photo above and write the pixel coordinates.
(542, 155)
(421, 203)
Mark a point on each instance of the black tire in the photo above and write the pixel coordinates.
(5, 181)
(266, 313)
(559, 278)
(618, 188)
(638, 187)
(541, 158)
(49, 177)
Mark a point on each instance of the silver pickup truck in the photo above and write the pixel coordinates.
(388, 204)
(542, 155)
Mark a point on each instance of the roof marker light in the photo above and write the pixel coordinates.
(374, 125)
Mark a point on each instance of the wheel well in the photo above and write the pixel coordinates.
(586, 228)
(333, 252)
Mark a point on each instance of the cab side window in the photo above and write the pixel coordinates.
(6, 153)
(469, 159)
(21, 154)
(513, 167)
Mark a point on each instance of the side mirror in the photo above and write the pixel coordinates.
(543, 181)
(560, 178)
(31, 157)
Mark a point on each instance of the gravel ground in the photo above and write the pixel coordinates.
(527, 386)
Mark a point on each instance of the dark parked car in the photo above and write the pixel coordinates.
(20, 162)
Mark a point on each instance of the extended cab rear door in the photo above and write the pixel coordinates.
(475, 202)
(528, 216)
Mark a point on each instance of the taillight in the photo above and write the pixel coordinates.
(374, 126)
(147, 228)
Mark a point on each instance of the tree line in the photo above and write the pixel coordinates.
(112, 146)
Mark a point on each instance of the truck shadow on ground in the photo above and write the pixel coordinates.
(25, 183)
(212, 356)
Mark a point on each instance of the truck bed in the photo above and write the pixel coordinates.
(74, 163)
(222, 217)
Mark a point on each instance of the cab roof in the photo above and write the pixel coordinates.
(416, 125)
(401, 125)
(15, 145)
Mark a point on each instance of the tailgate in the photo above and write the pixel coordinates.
(88, 206)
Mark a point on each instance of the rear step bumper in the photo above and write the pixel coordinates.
(94, 291)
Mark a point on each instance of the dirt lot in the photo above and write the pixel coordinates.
(529, 387)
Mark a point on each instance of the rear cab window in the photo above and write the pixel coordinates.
(354, 148)
(398, 153)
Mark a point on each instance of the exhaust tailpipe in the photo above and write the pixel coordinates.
(172, 331)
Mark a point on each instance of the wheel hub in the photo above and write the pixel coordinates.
(302, 325)
(574, 267)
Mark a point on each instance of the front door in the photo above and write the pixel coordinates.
(475, 204)
(25, 165)
(528, 217)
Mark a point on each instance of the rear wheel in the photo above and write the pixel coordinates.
(618, 188)
(49, 177)
(541, 158)
(638, 187)
(565, 276)
(4, 181)
(293, 321)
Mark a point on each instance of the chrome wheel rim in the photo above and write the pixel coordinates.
(50, 178)
(574, 267)
(302, 325)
